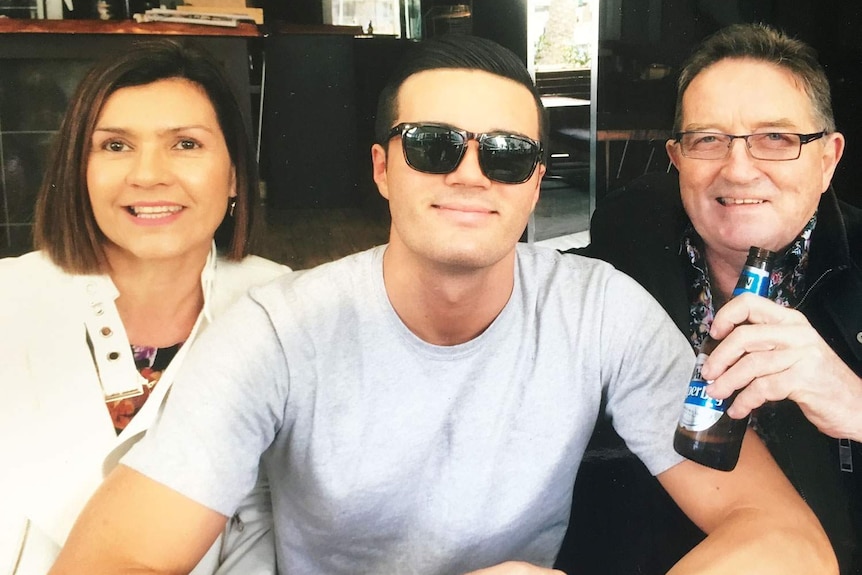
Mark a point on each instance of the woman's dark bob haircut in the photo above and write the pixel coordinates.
(65, 227)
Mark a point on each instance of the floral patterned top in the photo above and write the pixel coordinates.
(786, 285)
(151, 363)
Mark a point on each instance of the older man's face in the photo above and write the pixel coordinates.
(739, 201)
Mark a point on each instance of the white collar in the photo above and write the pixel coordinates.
(110, 343)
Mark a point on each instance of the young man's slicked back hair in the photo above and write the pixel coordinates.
(65, 227)
(763, 43)
(454, 51)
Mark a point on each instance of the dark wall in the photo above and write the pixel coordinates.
(318, 122)
(309, 121)
(649, 33)
(321, 94)
(830, 26)
(504, 21)
(292, 11)
(833, 28)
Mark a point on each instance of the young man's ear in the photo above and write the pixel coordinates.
(540, 172)
(378, 164)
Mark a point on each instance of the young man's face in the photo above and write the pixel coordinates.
(739, 201)
(461, 219)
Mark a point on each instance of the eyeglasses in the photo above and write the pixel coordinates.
(775, 146)
(438, 149)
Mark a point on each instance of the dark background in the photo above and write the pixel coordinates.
(832, 27)
(634, 34)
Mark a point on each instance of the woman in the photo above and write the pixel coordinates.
(142, 229)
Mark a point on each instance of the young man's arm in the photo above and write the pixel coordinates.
(134, 524)
(516, 568)
(755, 520)
(221, 416)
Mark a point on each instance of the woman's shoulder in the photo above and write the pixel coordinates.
(30, 284)
(35, 259)
(29, 269)
(234, 278)
(251, 268)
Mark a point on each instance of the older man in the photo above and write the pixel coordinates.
(755, 147)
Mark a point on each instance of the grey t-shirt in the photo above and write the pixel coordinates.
(389, 455)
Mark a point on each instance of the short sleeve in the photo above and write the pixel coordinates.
(224, 409)
(647, 372)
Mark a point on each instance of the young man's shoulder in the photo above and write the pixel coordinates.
(543, 262)
(325, 286)
(335, 271)
(549, 258)
(553, 274)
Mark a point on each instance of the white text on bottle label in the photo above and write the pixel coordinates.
(700, 411)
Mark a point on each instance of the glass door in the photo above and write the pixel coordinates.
(562, 37)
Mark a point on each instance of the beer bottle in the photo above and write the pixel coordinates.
(706, 434)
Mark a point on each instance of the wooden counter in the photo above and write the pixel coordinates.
(243, 30)
(19, 26)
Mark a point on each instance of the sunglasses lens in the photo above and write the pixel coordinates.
(438, 149)
(508, 159)
(433, 149)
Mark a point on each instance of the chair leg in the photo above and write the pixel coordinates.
(622, 159)
(649, 159)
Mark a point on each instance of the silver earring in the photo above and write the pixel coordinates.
(231, 207)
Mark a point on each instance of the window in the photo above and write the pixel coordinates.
(390, 17)
(560, 34)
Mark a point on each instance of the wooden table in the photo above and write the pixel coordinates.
(626, 135)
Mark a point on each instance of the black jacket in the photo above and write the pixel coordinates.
(638, 229)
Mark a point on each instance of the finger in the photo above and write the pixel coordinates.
(752, 309)
(752, 338)
(772, 387)
(753, 365)
(765, 376)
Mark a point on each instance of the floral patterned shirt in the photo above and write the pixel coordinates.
(151, 363)
(786, 285)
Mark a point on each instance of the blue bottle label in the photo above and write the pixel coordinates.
(700, 411)
(752, 280)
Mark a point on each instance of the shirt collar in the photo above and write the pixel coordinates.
(787, 283)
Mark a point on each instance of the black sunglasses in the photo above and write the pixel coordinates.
(438, 149)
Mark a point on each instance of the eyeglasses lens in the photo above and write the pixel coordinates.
(775, 146)
(767, 146)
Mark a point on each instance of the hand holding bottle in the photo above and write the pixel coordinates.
(705, 433)
(771, 353)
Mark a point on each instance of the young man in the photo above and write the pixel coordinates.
(422, 407)
(755, 148)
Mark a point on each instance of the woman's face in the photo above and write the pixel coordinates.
(159, 173)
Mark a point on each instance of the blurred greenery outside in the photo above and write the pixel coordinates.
(564, 41)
